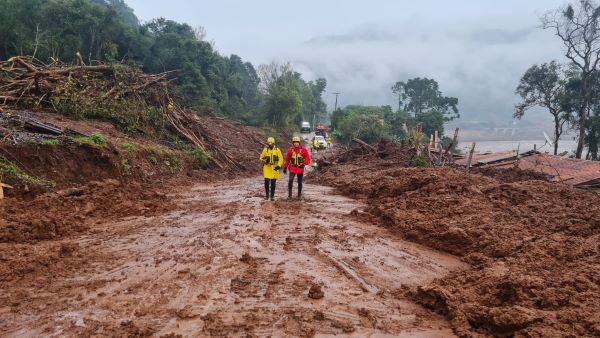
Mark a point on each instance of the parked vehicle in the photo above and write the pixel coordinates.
(322, 143)
(305, 128)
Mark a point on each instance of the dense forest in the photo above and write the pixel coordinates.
(108, 31)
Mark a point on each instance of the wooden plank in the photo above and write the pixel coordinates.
(470, 156)
(42, 127)
(505, 157)
(454, 141)
(496, 159)
(2, 186)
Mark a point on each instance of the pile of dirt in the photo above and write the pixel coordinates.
(74, 210)
(37, 236)
(511, 175)
(533, 246)
(336, 168)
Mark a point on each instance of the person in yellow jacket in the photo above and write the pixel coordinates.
(314, 145)
(272, 160)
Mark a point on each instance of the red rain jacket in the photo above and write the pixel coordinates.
(300, 151)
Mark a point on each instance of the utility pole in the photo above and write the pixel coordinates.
(336, 97)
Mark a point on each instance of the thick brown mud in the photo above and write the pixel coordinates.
(224, 262)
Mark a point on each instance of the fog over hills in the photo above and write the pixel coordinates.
(476, 50)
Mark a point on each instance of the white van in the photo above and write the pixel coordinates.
(305, 128)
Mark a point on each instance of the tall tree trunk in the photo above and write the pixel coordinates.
(557, 131)
(580, 141)
(582, 112)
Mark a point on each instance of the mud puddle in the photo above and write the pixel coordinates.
(228, 263)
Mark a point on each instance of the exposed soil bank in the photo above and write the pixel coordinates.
(534, 246)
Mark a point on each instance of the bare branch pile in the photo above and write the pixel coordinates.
(124, 95)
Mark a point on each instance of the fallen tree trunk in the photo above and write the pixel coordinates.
(364, 144)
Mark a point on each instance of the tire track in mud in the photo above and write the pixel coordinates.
(228, 263)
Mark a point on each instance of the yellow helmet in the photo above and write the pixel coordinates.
(295, 139)
(271, 140)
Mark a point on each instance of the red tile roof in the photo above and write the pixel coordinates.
(566, 170)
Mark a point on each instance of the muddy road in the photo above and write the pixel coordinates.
(227, 263)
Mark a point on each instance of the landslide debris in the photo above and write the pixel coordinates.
(533, 245)
(84, 145)
(133, 101)
(68, 212)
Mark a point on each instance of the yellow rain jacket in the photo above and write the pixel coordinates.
(274, 159)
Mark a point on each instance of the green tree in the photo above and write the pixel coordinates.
(364, 122)
(282, 106)
(593, 136)
(280, 80)
(572, 103)
(544, 86)
(242, 89)
(20, 29)
(577, 28)
(421, 95)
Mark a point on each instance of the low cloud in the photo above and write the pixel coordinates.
(501, 36)
(362, 34)
(479, 66)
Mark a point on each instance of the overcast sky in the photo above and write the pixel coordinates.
(476, 49)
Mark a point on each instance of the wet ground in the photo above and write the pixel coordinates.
(228, 263)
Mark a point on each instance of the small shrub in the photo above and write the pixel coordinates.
(125, 166)
(420, 162)
(129, 147)
(51, 142)
(11, 169)
(98, 139)
(153, 160)
(200, 157)
(94, 139)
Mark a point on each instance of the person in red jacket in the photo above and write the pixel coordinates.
(297, 157)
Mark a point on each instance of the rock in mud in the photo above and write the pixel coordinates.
(246, 258)
(315, 292)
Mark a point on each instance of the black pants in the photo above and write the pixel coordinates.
(291, 184)
(272, 183)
